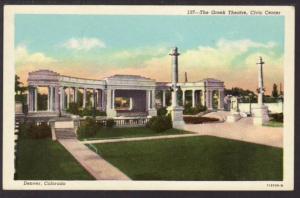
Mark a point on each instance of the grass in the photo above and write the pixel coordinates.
(195, 158)
(273, 123)
(109, 133)
(44, 159)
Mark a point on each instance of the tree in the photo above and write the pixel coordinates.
(19, 90)
(275, 91)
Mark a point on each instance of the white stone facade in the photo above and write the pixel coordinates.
(62, 90)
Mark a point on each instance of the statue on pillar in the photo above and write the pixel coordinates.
(234, 110)
(175, 110)
(261, 111)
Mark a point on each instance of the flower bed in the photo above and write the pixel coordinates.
(198, 120)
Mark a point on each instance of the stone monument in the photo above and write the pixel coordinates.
(261, 111)
(175, 110)
(234, 110)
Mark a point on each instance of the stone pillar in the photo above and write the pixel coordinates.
(55, 99)
(35, 98)
(261, 111)
(208, 99)
(68, 97)
(183, 97)
(62, 98)
(29, 98)
(175, 110)
(221, 100)
(193, 98)
(153, 99)
(93, 99)
(103, 99)
(113, 99)
(164, 98)
(148, 99)
(48, 99)
(75, 94)
(110, 111)
(84, 98)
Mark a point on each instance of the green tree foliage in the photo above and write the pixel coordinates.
(19, 90)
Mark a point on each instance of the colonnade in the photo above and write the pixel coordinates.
(204, 97)
(56, 98)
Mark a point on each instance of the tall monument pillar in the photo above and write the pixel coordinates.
(261, 111)
(175, 110)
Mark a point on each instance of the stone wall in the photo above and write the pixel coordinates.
(273, 107)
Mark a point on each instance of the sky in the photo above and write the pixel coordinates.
(96, 46)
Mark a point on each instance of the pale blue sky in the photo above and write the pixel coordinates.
(129, 42)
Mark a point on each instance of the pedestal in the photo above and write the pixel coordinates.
(233, 117)
(111, 113)
(177, 116)
(260, 115)
(152, 112)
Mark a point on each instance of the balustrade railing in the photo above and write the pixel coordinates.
(124, 121)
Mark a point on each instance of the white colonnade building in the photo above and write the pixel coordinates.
(118, 95)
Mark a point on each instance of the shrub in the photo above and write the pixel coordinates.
(110, 123)
(189, 110)
(88, 128)
(162, 111)
(36, 131)
(198, 120)
(73, 108)
(278, 117)
(91, 112)
(160, 123)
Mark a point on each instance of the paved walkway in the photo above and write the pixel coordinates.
(93, 163)
(138, 138)
(242, 130)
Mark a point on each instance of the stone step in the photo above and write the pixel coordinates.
(67, 133)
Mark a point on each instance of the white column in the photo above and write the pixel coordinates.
(93, 98)
(51, 105)
(113, 99)
(102, 99)
(29, 98)
(148, 99)
(164, 98)
(55, 99)
(221, 100)
(84, 98)
(108, 99)
(207, 98)
(193, 98)
(183, 97)
(48, 98)
(35, 98)
(75, 94)
(62, 98)
(153, 99)
(68, 97)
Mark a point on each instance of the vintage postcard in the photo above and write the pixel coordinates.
(148, 98)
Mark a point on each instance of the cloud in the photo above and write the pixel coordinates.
(26, 61)
(22, 56)
(84, 44)
(233, 61)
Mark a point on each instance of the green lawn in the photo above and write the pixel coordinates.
(195, 158)
(45, 159)
(273, 123)
(108, 133)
